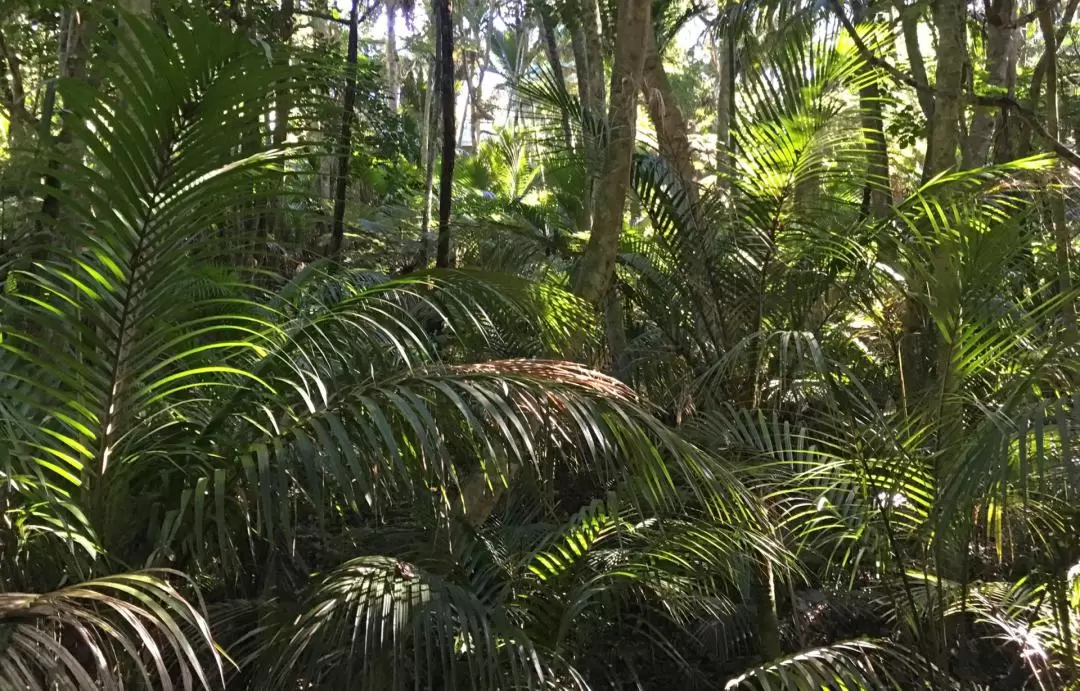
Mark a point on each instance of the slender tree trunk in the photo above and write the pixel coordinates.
(1062, 237)
(724, 60)
(878, 192)
(590, 146)
(551, 47)
(1038, 75)
(768, 624)
(344, 145)
(445, 28)
(1001, 43)
(950, 17)
(427, 155)
(393, 74)
(909, 23)
(594, 46)
(282, 108)
(597, 265)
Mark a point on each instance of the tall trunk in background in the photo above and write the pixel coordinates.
(1038, 75)
(909, 23)
(427, 157)
(597, 265)
(594, 47)
(344, 144)
(283, 97)
(1001, 45)
(878, 192)
(275, 219)
(673, 140)
(77, 28)
(551, 47)
(672, 133)
(393, 73)
(590, 146)
(1062, 239)
(878, 180)
(724, 60)
(443, 12)
(950, 17)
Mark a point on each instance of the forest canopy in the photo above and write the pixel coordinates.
(554, 344)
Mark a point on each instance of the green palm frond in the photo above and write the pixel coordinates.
(858, 664)
(99, 633)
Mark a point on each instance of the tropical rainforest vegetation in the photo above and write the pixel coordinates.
(562, 344)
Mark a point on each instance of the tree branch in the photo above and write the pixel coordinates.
(1026, 113)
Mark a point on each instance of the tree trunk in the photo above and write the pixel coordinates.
(444, 27)
(1062, 238)
(950, 17)
(878, 179)
(671, 130)
(724, 60)
(1001, 42)
(909, 22)
(551, 47)
(878, 192)
(393, 75)
(594, 46)
(427, 161)
(344, 147)
(597, 265)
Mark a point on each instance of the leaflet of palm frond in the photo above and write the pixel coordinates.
(549, 104)
(860, 663)
(134, 623)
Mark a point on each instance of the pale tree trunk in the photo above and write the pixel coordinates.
(950, 17)
(1001, 44)
(393, 73)
(427, 160)
(594, 46)
(1062, 238)
(909, 22)
(597, 265)
(1038, 75)
(445, 58)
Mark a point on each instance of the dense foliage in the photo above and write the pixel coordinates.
(749, 359)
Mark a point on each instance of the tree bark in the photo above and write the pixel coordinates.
(594, 46)
(1062, 237)
(950, 17)
(724, 61)
(878, 191)
(427, 161)
(672, 136)
(393, 74)
(909, 22)
(597, 265)
(1001, 35)
(445, 29)
(344, 147)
